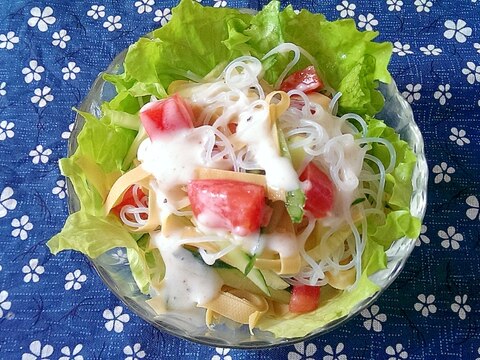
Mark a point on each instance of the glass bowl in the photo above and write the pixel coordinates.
(115, 272)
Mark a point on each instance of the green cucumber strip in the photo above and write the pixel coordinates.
(294, 199)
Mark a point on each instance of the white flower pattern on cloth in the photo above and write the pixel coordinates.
(474, 210)
(60, 39)
(113, 23)
(33, 71)
(8, 41)
(61, 189)
(458, 29)
(394, 5)
(6, 130)
(134, 352)
(32, 271)
(461, 307)
(6, 201)
(144, 6)
(422, 238)
(374, 318)
(334, 354)
(346, 9)
(121, 257)
(458, 136)
(423, 5)
(477, 47)
(412, 92)
(219, 3)
(472, 71)
(450, 238)
(397, 352)
(221, 354)
(443, 172)
(443, 94)
(66, 134)
(21, 227)
(426, 304)
(39, 154)
(74, 280)
(96, 11)
(70, 71)
(431, 50)
(368, 22)
(302, 352)
(3, 91)
(42, 96)
(163, 16)
(41, 18)
(72, 354)
(401, 49)
(115, 319)
(4, 304)
(38, 352)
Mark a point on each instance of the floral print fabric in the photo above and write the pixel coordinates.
(56, 307)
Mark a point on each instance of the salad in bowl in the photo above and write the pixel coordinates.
(246, 169)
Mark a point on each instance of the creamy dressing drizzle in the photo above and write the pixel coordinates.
(233, 97)
(284, 243)
(187, 281)
(254, 129)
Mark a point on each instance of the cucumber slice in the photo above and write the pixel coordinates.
(274, 281)
(234, 278)
(294, 200)
(240, 260)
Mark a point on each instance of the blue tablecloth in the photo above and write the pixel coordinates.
(56, 307)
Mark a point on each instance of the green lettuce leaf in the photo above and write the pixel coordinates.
(398, 184)
(81, 232)
(398, 223)
(199, 39)
(97, 161)
(349, 60)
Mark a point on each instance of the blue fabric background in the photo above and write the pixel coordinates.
(55, 307)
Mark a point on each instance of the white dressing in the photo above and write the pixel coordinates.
(285, 244)
(172, 159)
(254, 129)
(187, 281)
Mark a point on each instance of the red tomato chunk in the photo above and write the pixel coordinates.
(306, 80)
(166, 116)
(304, 298)
(231, 205)
(319, 191)
(128, 199)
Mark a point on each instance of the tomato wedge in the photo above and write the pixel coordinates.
(319, 191)
(129, 199)
(166, 115)
(306, 80)
(305, 298)
(231, 205)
